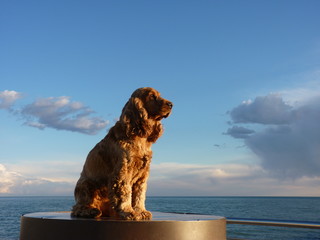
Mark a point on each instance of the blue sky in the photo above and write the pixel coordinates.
(244, 77)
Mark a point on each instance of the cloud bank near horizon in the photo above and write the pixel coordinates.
(13, 183)
(176, 179)
(173, 179)
(288, 144)
(59, 113)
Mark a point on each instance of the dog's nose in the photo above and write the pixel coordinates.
(170, 104)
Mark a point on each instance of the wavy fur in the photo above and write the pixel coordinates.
(113, 181)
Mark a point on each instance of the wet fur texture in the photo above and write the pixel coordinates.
(113, 182)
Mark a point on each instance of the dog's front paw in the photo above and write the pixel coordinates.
(142, 214)
(127, 215)
(146, 215)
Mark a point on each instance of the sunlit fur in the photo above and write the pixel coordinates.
(113, 181)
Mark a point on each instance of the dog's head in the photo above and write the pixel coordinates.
(143, 112)
(155, 106)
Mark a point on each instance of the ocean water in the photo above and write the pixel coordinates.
(278, 208)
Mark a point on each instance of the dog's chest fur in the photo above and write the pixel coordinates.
(140, 152)
(139, 157)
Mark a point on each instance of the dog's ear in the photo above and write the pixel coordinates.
(135, 118)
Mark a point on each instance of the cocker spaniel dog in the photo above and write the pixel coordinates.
(113, 181)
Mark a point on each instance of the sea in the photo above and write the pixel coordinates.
(276, 208)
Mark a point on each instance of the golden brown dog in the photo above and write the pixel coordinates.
(113, 181)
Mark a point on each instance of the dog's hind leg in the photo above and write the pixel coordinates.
(87, 204)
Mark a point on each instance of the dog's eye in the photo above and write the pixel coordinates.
(153, 97)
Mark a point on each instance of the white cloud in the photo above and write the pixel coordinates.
(62, 114)
(8, 98)
(36, 125)
(224, 180)
(219, 171)
(15, 183)
(7, 179)
(53, 170)
(54, 112)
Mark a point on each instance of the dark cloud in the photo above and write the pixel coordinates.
(239, 132)
(290, 147)
(223, 145)
(270, 109)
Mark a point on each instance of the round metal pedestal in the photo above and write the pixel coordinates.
(163, 226)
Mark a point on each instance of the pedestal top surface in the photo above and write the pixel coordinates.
(156, 216)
